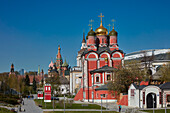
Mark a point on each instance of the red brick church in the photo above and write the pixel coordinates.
(98, 58)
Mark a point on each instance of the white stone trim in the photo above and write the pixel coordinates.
(117, 53)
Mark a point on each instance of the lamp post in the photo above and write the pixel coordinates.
(165, 102)
(153, 102)
(53, 102)
(101, 102)
(64, 103)
(106, 102)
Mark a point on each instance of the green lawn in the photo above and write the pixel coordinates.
(4, 110)
(80, 112)
(158, 111)
(60, 105)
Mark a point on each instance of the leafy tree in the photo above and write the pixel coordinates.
(54, 80)
(124, 76)
(165, 73)
(34, 85)
(27, 80)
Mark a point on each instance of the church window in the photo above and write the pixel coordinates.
(97, 79)
(104, 95)
(108, 77)
(132, 92)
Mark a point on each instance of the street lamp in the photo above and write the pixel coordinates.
(106, 101)
(64, 103)
(53, 102)
(165, 102)
(101, 102)
(153, 102)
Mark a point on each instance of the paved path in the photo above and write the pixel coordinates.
(30, 107)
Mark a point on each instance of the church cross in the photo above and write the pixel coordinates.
(101, 16)
(109, 27)
(113, 22)
(91, 22)
(90, 26)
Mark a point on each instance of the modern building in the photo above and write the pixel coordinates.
(21, 71)
(151, 60)
(97, 59)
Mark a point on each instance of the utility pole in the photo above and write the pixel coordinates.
(165, 102)
(153, 102)
(64, 103)
(101, 102)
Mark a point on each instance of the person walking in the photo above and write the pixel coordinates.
(120, 107)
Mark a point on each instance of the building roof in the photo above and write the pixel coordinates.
(105, 68)
(165, 85)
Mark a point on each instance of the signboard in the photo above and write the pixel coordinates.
(47, 93)
(40, 94)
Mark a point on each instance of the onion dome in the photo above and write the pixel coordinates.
(101, 30)
(64, 64)
(51, 64)
(91, 33)
(113, 33)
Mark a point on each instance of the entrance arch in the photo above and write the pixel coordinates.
(149, 100)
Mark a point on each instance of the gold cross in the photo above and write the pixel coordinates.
(91, 22)
(90, 26)
(109, 27)
(113, 22)
(101, 16)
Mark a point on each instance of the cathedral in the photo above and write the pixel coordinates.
(98, 59)
(59, 67)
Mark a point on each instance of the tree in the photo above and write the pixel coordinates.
(34, 86)
(124, 76)
(54, 80)
(27, 80)
(165, 73)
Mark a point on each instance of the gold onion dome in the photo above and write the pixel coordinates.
(101, 30)
(113, 33)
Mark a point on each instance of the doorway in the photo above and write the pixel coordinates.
(149, 99)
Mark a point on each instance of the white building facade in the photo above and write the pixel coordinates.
(149, 96)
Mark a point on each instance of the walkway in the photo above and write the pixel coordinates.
(30, 107)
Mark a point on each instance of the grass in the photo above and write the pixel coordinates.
(80, 112)
(60, 105)
(157, 111)
(4, 110)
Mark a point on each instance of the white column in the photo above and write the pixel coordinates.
(103, 77)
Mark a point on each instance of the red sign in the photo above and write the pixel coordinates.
(47, 93)
(40, 94)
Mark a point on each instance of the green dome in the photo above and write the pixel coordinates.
(91, 33)
(113, 33)
(64, 64)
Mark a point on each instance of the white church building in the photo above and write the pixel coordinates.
(148, 96)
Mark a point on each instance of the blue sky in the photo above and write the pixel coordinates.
(30, 31)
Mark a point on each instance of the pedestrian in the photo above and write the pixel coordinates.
(120, 107)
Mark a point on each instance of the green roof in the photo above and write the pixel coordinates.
(65, 64)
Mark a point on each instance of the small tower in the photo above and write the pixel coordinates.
(113, 40)
(91, 45)
(12, 68)
(38, 70)
(83, 42)
(59, 60)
